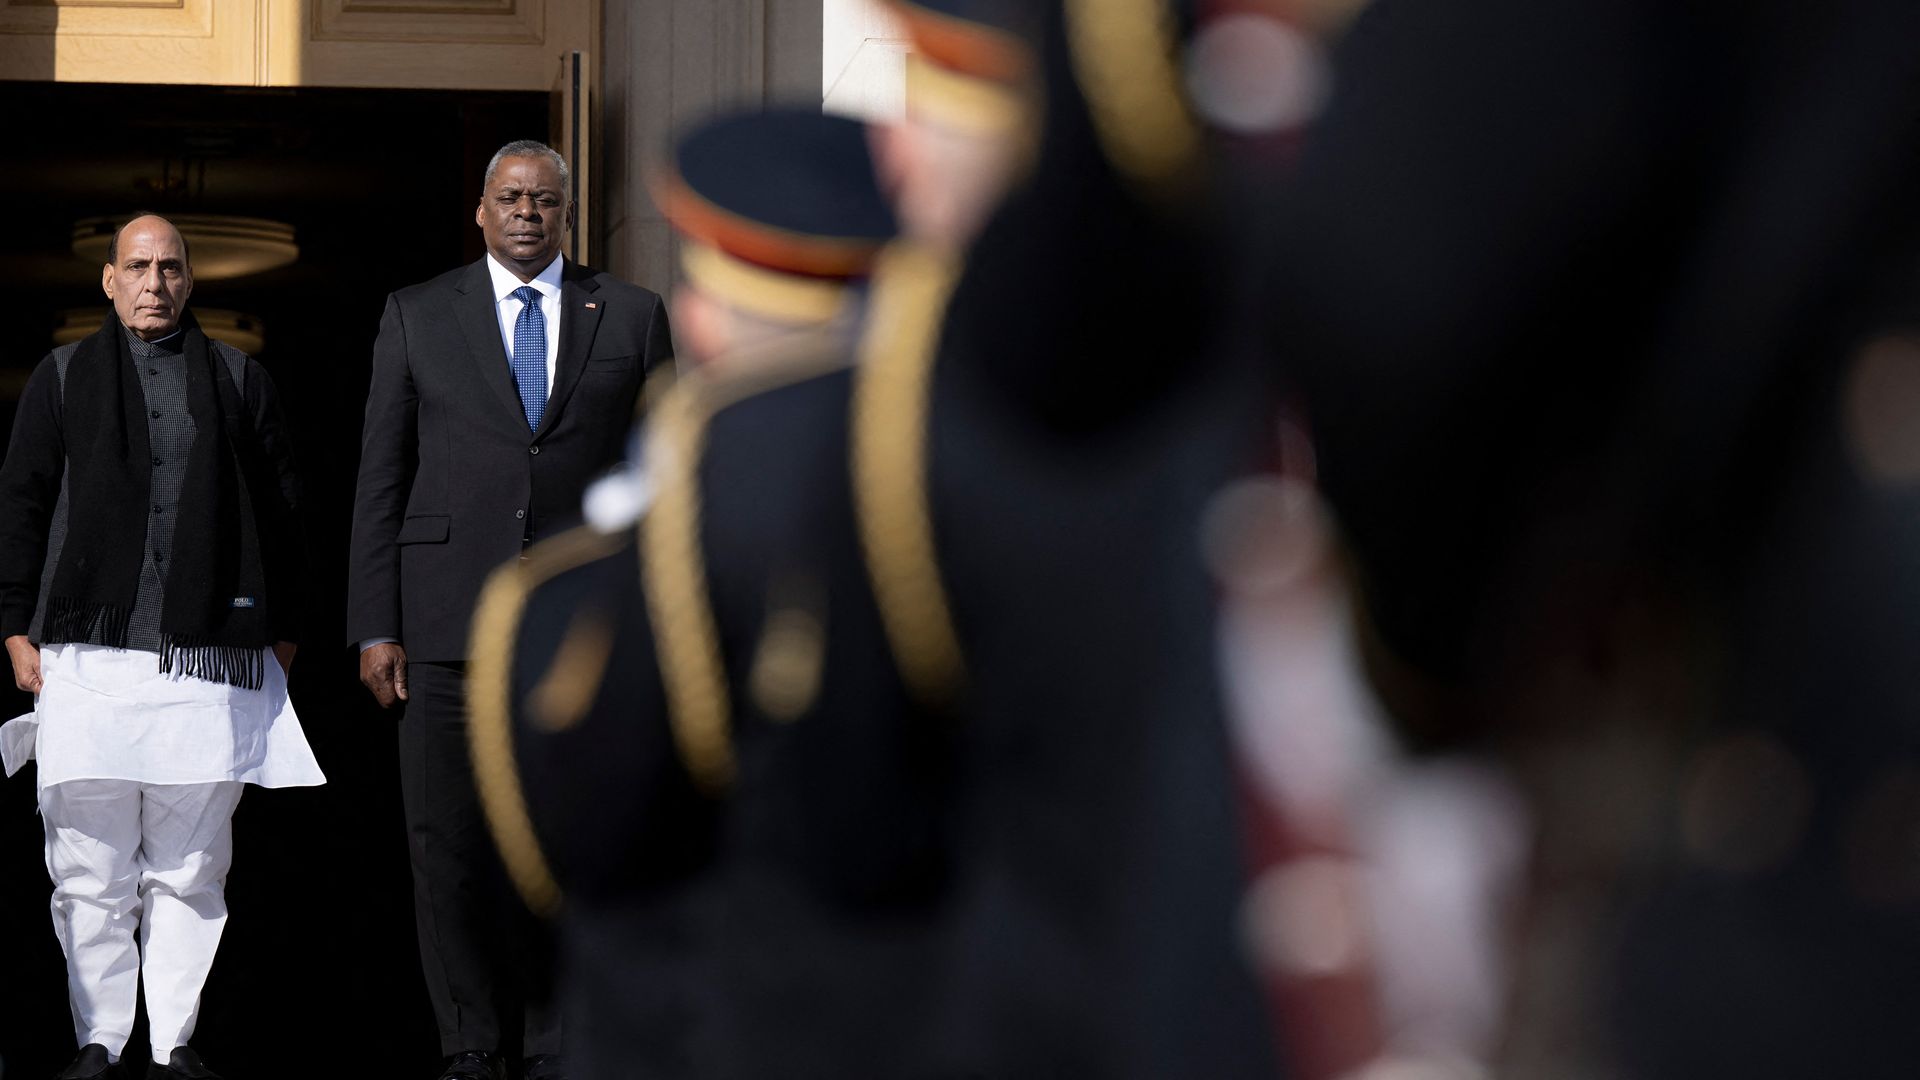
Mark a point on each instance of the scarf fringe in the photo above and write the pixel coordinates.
(87, 623)
(234, 665)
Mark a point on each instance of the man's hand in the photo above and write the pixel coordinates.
(283, 651)
(383, 668)
(26, 663)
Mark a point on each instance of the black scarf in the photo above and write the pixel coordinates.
(228, 537)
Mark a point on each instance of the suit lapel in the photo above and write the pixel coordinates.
(580, 309)
(479, 318)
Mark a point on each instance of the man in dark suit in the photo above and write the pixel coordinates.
(500, 390)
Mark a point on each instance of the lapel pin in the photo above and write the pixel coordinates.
(591, 304)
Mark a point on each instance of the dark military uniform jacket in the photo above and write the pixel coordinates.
(887, 744)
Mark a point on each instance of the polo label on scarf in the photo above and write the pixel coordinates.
(243, 601)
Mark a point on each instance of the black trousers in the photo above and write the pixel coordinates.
(488, 961)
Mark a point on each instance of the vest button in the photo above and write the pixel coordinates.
(519, 513)
(533, 449)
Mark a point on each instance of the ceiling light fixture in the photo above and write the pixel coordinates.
(221, 246)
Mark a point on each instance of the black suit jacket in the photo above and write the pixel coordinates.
(452, 484)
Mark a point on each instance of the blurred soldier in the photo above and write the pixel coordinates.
(1605, 318)
(150, 559)
(967, 128)
(1083, 404)
(936, 629)
(768, 278)
(782, 219)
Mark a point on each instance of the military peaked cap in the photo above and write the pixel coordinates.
(783, 207)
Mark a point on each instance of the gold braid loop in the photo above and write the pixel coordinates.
(496, 629)
(1123, 59)
(673, 570)
(891, 405)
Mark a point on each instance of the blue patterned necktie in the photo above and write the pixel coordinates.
(530, 355)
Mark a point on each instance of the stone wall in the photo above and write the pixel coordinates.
(668, 62)
(665, 64)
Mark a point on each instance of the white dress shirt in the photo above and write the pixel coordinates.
(547, 282)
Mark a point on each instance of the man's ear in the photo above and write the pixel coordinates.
(699, 325)
(480, 213)
(892, 147)
(569, 217)
(186, 275)
(106, 279)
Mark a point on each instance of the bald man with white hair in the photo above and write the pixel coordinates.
(151, 567)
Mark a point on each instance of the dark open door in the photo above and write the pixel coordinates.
(573, 137)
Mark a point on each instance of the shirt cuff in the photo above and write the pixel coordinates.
(372, 641)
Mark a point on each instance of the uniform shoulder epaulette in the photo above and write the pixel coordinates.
(496, 631)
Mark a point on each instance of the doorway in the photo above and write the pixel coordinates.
(378, 187)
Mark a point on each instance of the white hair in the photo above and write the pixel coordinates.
(529, 148)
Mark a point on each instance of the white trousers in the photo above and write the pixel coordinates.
(126, 855)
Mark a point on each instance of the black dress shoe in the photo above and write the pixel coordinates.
(543, 1067)
(474, 1065)
(182, 1064)
(91, 1064)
